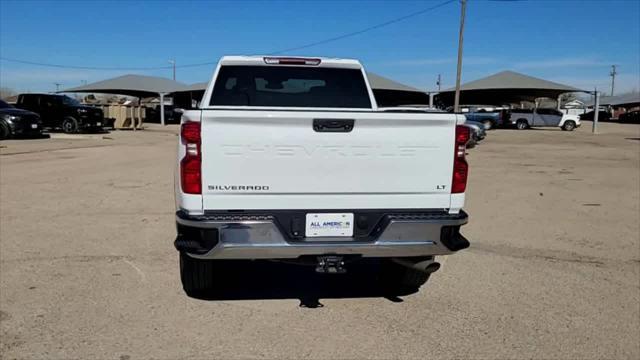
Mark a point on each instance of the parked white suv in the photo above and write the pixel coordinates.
(289, 158)
(526, 118)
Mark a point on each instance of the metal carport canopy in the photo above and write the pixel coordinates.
(506, 87)
(390, 93)
(201, 86)
(133, 85)
(626, 100)
(378, 82)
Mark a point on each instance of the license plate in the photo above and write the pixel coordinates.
(329, 224)
(34, 126)
(98, 124)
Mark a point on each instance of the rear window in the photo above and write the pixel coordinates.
(543, 111)
(28, 100)
(289, 86)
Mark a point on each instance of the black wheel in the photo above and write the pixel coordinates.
(197, 275)
(522, 124)
(569, 125)
(487, 124)
(5, 131)
(70, 125)
(399, 279)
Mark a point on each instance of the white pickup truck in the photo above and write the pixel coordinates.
(526, 118)
(289, 158)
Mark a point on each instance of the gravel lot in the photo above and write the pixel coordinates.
(88, 268)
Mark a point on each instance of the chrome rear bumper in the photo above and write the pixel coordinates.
(260, 237)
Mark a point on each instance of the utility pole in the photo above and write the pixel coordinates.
(439, 82)
(456, 103)
(596, 111)
(57, 86)
(613, 77)
(173, 62)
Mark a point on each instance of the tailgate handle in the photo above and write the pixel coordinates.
(333, 125)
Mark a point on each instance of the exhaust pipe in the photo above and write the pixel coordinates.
(433, 267)
(427, 266)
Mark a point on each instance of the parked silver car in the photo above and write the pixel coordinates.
(478, 132)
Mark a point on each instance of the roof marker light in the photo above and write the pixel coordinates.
(292, 61)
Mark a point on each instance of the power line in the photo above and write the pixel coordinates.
(358, 32)
(78, 67)
(81, 67)
(305, 46)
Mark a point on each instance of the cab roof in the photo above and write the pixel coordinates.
(311, 61)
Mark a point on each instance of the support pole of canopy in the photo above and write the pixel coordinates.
(162, 109)
(596, 111)
(139, 112)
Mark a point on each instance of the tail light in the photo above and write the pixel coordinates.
(191, 164)
(460, 166)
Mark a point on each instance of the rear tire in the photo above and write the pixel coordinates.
(569, 125)
(5, 132)
(197, 275)
(70, 125)
(522, 125)
(399, 279)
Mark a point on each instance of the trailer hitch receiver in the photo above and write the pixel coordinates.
(330, 264)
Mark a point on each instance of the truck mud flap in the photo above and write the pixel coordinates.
(451, 238)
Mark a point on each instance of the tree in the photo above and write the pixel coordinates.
(6, 92)
(567, 97)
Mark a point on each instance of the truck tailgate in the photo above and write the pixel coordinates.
(277, 160)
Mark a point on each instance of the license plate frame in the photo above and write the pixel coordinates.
(318, 225)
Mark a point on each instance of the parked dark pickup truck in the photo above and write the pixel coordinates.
(61, 111)
(490, 117)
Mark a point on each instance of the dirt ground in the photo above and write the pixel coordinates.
(88, 268)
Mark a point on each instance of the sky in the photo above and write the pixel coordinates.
(571, 42)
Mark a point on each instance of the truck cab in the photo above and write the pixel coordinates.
(61, 111)
(289, 158)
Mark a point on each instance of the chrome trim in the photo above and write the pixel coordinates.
(262, 239)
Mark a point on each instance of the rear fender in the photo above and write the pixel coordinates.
(566, 118)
